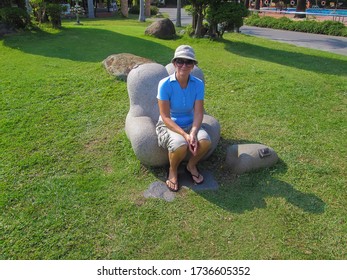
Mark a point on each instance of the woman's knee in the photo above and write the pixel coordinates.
(183, 147)
(176, 143)
(205, 144)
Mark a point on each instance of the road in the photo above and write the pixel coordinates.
(331, 44)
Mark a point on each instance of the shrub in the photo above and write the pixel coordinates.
(189, 30)
(284, 23)
(333, 28)
(135, 10)
(54, 12)
(327, 27)
(16, 18)
(307, 26)
(253, 19)
(154, 10)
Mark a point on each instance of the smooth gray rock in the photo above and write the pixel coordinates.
(158, 189)
(242, 158)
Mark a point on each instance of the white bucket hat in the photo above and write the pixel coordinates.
(186, 52)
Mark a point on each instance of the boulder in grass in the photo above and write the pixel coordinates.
(119, 65)
(162, 29)
(243, 158)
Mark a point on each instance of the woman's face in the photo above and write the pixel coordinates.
(184, 65)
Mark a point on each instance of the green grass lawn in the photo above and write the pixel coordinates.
(71, 187)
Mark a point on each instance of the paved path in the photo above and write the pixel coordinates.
(332, 44)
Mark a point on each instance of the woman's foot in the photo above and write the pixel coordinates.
(172, 181)
(171, 185)
(196, 176)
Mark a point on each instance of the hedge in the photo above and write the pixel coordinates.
(327, 27)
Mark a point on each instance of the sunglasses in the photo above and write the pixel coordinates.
(187, 62)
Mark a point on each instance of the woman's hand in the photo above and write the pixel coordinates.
(193, 143)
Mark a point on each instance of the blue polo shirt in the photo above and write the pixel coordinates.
(181, 100)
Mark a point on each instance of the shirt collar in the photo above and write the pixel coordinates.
(173, 78)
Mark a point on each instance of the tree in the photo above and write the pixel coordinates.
(179, 6)
(301, 7)
(124, 8)
(5, 3)
(142, 11)
(257, 5)
(91, 9)
(199, 10)
(39, 10)
(225, 16)
(54, 12)
(226, 12)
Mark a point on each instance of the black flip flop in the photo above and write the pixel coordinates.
(194, 176)
(175, 184)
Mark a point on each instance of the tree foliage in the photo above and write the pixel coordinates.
(199, 11)
(54, 12)
(225, 16)
(14, 18)
(223, 13)
(45, 10)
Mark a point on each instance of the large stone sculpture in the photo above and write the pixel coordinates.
(142, 83)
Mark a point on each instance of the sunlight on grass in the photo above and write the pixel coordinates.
(72, 188)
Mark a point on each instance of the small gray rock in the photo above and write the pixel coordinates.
(242, 158)
(158, 189)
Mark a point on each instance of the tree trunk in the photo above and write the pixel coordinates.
(301, 7)
(257, 5)
(194, 21)
(147, 8)
(178, 20)
(124, 7)
(142, 12)
(247, 4)
(199, 20)
(91, 9)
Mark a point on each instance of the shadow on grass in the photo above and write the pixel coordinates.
(249, 191)
(86, 45)
(292, 59)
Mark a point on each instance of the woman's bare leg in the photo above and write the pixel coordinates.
(203, 148)
(175, 158)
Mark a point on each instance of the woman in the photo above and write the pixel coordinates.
(181, 106)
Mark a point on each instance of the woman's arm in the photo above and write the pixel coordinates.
(198, 116)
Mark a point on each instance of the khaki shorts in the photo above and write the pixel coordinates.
(171, 140)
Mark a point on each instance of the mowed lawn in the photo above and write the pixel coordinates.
(72, 188)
